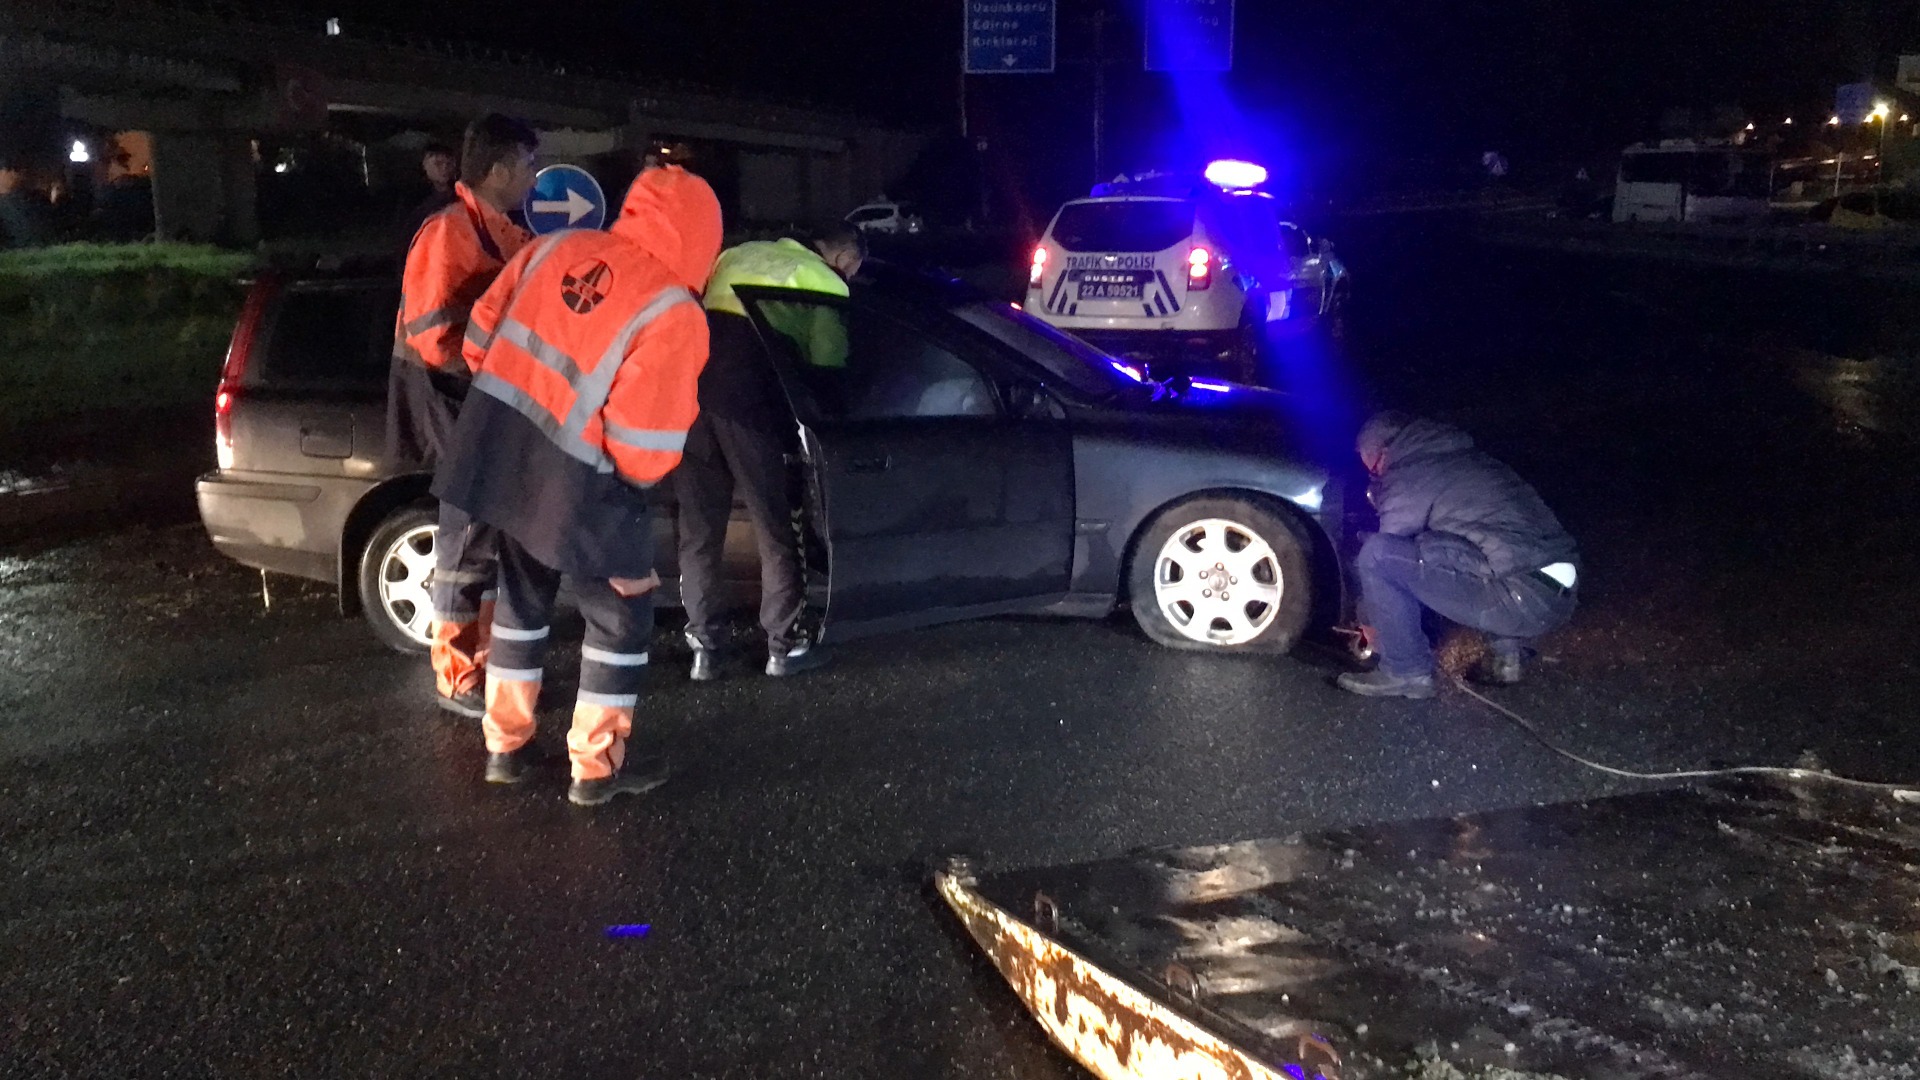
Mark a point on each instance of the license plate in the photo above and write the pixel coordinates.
(1108, 286)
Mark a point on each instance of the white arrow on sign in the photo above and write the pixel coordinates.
(575, 206)
(1009, 59)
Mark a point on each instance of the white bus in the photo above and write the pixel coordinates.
(1681, 180)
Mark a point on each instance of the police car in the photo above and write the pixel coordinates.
(1185, 274)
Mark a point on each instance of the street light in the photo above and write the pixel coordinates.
(79, 154)
(1833, 121)
(1881, 111)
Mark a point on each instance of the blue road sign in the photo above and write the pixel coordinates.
(1189, 35)
(1010, 37)
(1853, 102)
(565, 197)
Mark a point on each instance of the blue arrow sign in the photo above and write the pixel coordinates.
(1010, 37)
(1190, 35)
(564, 197)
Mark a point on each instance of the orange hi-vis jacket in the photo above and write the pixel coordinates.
(454, 257)
(586, 354)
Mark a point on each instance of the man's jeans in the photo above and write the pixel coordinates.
(1395, 585)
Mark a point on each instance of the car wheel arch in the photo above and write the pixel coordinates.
(1323, 559)
(373, 508)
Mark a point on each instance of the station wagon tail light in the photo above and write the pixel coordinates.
(223, 429)
(1199, 269)
(1039, 268)
(246, 338)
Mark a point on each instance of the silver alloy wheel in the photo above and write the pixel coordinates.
(1218, 582)
(406, 570)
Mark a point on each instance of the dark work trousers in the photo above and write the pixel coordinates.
(462, 593)
(1395, 585)
(613, 662)
(721, 455)
(464, 552)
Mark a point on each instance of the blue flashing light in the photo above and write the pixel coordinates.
(1129, 371)
(1236, 175)
(1216, 387)
(629, 930)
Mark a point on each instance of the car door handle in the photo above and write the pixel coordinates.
(870, 464)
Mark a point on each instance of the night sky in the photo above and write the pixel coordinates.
(1332, 78)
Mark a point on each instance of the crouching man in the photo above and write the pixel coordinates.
(586, 353)
(1464, 536)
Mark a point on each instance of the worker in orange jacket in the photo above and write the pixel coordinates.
(453, 259)
(586, 356)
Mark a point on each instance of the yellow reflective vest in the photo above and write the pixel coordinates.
(819, 331)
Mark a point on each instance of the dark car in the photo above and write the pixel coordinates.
(966, 460)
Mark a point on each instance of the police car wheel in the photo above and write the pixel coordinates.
(395, 570)
(1222, 575)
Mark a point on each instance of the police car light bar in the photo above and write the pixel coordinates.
(1236, 175)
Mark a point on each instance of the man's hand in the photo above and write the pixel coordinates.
(628, 588)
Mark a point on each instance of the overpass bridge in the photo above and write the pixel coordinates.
(208, 82)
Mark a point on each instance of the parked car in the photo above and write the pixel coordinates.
(890, 218)
(967, 460)
(1183, 274)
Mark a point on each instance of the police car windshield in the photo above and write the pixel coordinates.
(1079, 365)
(1119, 225)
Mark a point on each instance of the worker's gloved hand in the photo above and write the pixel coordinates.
(628, 588)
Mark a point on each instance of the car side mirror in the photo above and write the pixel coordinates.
(1031, 401)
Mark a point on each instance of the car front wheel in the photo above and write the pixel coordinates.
(1222, 575)
(395, 571)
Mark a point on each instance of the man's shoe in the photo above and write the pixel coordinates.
(795, 660)
(472, 704)
(1499, 669)
(512, 768)
(1381, 684)
(636, 782)
(706, 667)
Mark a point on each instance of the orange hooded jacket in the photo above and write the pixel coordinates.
(454, 257)
(586, 353)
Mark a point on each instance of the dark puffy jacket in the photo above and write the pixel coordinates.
(1434, 486)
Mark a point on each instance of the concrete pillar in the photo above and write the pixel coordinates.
(203, 188)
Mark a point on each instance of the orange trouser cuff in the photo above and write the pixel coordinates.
(459, 656)
(509, 721)
(597, 743)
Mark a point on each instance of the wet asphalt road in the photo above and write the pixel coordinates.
(240, 842)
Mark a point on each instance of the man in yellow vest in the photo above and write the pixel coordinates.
(742, 436)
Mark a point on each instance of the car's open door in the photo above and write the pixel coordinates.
(945, 486)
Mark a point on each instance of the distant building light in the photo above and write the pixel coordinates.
(333, 27)
(1833, 121)
(1788, 120)
(1749, 126)
(79, 154)
(1236, 175)
(279, 166)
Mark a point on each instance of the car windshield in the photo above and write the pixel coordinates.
(1081, 366)
(1123, 225)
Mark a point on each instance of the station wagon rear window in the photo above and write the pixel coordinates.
(1123, 226)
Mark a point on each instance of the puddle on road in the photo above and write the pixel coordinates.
(1878, 396)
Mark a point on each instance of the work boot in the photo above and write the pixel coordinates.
(1381, 684)
(638, 781)
(471, 704)
(1499, 668)
(513, 767)
(798, 659)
